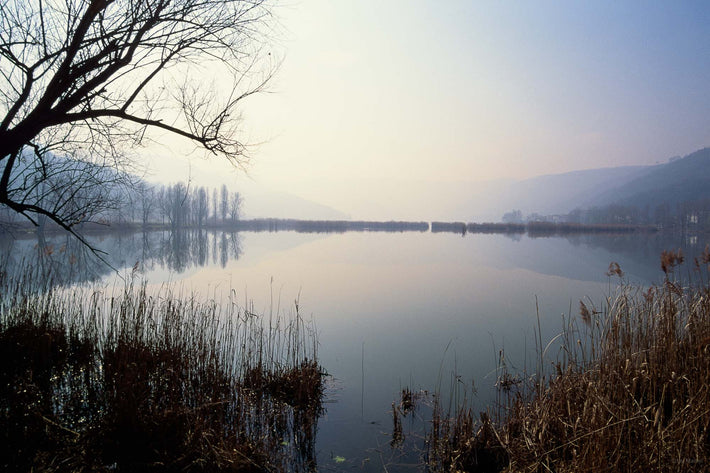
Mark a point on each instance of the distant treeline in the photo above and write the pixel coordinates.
(340, 226)
(328, 226)
(180, 206)
(148, 206)
(692, 215)
(537, 228)
(683, 216)
(549, 228)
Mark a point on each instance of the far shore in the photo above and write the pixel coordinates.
(533, 229)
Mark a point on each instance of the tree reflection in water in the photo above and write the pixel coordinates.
(64, 260)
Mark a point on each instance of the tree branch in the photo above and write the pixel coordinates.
(80, 82)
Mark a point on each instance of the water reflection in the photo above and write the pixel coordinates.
(70, 262)
(418, 309)
(182, 250)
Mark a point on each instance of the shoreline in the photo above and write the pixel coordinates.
(532, 229)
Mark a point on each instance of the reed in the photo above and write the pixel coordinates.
(628, 391)
(153, 382)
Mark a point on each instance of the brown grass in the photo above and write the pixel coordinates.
(629, 391)
(141, 382)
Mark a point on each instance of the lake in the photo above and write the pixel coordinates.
(428, 311)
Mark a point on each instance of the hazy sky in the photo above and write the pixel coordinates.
(460, 90)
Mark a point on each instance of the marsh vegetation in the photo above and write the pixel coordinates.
(628, 390)
(144, 380)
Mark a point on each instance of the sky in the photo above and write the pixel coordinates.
(405, 94)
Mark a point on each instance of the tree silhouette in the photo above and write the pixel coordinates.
(83, 82)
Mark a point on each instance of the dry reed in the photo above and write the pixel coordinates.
(152, 382)
(629, 391)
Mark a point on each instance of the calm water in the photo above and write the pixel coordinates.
(423, 310)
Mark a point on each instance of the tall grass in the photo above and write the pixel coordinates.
(629, 391)
(152, 382)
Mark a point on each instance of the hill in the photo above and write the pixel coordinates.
(680, 180)
(561, 193)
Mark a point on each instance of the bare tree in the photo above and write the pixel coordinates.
(82, 82)
(215, 205)
(176, 205)
(75, 190)
(235, 207)
(224, 203)
(203, 206)
(147, 196)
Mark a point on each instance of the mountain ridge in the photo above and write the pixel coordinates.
(678, 180)
(675, 181)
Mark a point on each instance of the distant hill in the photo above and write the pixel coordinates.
(680, 180)
(548, 195)
(560, 193)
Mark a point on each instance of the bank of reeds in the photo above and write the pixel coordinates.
(629, 391)
(539, 229)
(542, 229)
(152, 382)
